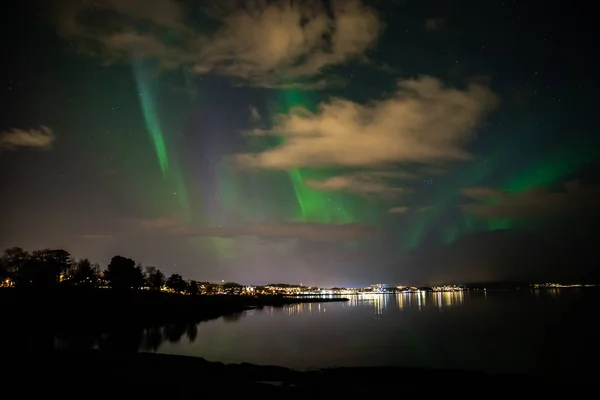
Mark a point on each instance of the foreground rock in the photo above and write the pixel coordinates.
(94, 374)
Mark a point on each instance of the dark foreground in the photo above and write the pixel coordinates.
(106, 308)
(39, 321)
(94, 374)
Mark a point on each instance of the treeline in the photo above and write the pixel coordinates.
(53, 267)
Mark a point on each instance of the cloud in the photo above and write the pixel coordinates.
(577, 199)
(254, 114)
(262, 42)
(404, 209)
(331, 233)
(98, 237)
(163, 12)
(425, 122)
(167, 223)
(302, 84)
(366, 184)
(41, 138)
(328, 233)
(434, 24)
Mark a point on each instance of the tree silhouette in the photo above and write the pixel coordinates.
(122, 273)
(191, 331)
(3, 269)
(176, 283)
(174, 332)
(85, 273)
(13, 260)
(193, 288)
(152, 338)
(209, 288)
(44, 268)
(155, 279)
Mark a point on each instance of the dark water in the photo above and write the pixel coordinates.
(552, 333)
(548, 332)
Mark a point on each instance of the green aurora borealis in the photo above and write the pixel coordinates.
(151, 113)
(304, 204)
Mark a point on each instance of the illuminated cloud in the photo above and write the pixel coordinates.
(404, 209)
(304, 83)
(577, 199)
(330, 233)
(425, 122)
(167, 223)
(98, 237)
(366, 184)
(254, 40)
(42, 138)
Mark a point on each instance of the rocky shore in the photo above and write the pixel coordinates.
(94, 374)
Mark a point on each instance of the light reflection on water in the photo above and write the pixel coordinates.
(538, 331)
(419, 301)
(549, 331)
(380, 302)
(546, 331)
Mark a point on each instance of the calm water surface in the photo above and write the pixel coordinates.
(547, 332)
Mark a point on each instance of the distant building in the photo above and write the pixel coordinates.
(7, 283)
(378, 288)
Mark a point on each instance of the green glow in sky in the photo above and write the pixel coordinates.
(545, 171)
(542, 172)
(318, 206)
(151, 118)
(243, 198)
(550, 169)
(175, 187)
(313, 205)
(447, 198)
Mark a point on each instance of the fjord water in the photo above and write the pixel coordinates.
(547, 332)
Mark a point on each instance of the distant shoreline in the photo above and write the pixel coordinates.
(492, 289)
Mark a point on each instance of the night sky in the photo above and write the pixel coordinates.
(333, 143)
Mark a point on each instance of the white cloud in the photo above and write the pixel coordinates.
(366, 184)
(425, 122)
(263, 42)
(41, 138)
